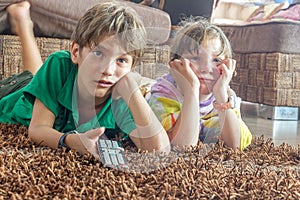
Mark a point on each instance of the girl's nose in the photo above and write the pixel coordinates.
(205, 66)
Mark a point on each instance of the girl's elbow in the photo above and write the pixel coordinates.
(233, 144)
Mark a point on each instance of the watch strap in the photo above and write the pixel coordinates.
(61, 141)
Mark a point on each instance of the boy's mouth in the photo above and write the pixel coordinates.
(105, 84)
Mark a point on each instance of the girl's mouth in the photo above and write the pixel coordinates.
(204, 80)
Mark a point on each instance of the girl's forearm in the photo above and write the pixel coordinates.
(187, 127)
(230, 128)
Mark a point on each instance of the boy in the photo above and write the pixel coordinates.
(79, 90)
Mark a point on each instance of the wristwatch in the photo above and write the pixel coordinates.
(61, 141)
(230, 104)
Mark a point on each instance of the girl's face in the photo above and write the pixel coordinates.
(204, 64)
(101, 67)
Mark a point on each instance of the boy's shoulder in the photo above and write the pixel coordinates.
(61, 54)
(59, 62)
(61, 57)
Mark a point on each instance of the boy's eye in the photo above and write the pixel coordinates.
(97, 53)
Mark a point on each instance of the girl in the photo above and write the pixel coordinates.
(194, 100)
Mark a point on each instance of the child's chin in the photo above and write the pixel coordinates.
(205, 90)
(100, 93)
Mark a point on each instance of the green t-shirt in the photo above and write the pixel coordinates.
(53, 86)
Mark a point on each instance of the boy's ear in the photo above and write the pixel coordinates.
(75, 52)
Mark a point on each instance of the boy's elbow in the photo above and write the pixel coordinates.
(184, 143)
(32, 133)
(164, 149)
(158, 146)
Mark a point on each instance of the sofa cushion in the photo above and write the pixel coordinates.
(58, 18)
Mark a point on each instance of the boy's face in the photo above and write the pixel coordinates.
(204, 64)
(101, 67)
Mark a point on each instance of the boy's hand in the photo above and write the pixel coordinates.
(89, 140)
(226, 69)
(184, 76)
(126, 86)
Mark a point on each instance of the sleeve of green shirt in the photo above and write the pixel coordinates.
(50, 80)
(122, 116)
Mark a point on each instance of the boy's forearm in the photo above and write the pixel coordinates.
(149, 131)
(158, 142)
(47, 136)
(44, 135)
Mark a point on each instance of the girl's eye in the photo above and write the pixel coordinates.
(217, 60)
(97, 53)
(195, 58)
(122, 60)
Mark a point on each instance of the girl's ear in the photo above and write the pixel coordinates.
(75, 52)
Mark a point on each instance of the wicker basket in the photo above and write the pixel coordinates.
(154, 62)
(268, 78)
(10, 48)
(152, 65)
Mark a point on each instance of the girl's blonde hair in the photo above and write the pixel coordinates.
(195, 31)
(111, 19)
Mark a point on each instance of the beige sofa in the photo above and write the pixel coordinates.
(268, 62)
(58, 18)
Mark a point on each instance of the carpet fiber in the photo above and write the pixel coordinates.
(262, 171)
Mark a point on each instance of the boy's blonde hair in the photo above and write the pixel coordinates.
(195, 31)
(111, 19)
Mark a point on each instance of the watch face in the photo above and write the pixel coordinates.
(232, 101)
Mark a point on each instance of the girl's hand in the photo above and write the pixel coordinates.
(226, 69)
(183, 75)
(89, 140)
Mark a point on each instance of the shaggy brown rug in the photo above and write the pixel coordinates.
(262, 171)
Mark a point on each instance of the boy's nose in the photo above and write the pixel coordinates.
(109, 68)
